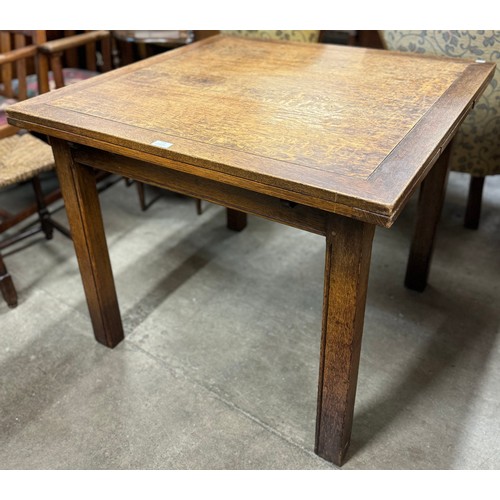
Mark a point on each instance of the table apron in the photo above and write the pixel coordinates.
(272, 208)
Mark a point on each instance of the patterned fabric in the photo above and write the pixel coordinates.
(476, 148)
(4, 104)
(291, 35)
(71, 75)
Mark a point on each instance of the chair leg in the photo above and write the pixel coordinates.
(141, 190)
(43, 212)
(198, 206)
(142, 195)
(47, 223)
(473, 211)
(7, 286)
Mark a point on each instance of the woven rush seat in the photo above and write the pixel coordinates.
(23, 156)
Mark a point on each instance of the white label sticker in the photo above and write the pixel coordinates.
(162, 144)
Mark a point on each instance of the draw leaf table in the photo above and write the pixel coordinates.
(328, 139)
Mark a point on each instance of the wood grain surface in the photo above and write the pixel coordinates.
(318, 120)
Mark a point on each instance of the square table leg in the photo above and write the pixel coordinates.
(430, 204)
(347, 263)
(78, 186)
(236, 220)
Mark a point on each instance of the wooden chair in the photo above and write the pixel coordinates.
(22, 156)
(26, 71)
(476, 147)
(134, 45)
(59, 58)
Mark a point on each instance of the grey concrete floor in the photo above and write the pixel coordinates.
(220, 362)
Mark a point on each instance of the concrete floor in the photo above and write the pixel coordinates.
(219, 366)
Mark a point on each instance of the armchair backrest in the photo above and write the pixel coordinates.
(18, 64)
(17, 60)
(97, 46)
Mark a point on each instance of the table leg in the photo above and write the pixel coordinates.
(347, 263)
(236, 220)
(430, 204)
(81, 199)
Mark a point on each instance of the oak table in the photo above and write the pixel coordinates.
(329, 139)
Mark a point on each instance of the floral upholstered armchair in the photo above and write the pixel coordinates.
(291, 35)
(476, 147)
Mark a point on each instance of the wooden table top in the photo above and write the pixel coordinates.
(344, 129)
